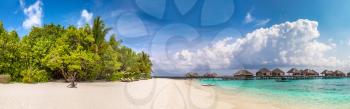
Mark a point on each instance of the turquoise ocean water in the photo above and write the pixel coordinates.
(316, 93)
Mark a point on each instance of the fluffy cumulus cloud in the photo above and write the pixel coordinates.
(286, 44)
(85, 18)
(33, 13)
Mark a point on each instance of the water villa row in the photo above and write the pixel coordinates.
(265, 73)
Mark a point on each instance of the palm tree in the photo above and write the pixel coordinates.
(99, 31)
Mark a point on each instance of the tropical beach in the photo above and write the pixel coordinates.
(178, 54)
(155, 94)
(158, 93)
(175, 93)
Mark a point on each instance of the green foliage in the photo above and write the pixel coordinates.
(8, 52)
(144, 65)
(109, 62)
(55, 52)
(191, 75)
(115, 76)
(69, 57)
(128, 59)
(99, 30)
(32, 75)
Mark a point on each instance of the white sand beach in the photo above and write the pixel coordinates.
(144, 94)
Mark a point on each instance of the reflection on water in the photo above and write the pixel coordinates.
(316, 93)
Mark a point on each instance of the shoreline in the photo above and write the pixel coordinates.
(241, 100)
(144, 94)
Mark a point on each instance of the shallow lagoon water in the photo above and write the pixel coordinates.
(315, 93)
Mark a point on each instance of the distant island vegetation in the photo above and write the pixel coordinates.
(53, 52)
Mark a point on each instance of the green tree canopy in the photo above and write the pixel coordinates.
(55, 52)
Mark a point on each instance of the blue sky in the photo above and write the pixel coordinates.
(175, 32)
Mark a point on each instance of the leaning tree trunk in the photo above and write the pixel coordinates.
(72, 81)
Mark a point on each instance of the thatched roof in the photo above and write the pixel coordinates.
(339, 72)
(327, 72)
(309, 71)
(277, 70)
(293, 70)
(314, 72)
(263, 70)
(243, 73)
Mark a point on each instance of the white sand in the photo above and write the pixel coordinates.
(144, 94)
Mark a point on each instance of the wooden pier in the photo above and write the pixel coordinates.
(287, 77)
(259, 77)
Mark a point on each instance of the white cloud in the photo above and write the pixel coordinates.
(286, 44)
(248, 18)
(262, 22)
(85, 17)
(33, 13)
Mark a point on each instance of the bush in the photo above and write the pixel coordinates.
(33, 75)
(115, 76)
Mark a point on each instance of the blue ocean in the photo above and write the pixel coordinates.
(313, 93)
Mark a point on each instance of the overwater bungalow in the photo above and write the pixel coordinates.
(309, 72)
(263, 72)
(243, 74)
(327, 73)
(339, 73)
(277, 72)
(315, 73)
(294, 72)
(210, 75)
(348, 74)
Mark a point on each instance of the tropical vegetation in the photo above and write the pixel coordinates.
(54, 52)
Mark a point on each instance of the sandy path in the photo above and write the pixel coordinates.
(145, 94)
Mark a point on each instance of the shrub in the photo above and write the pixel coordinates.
(33, 75)
(115, 76)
